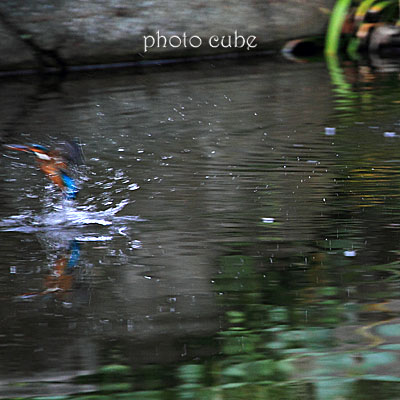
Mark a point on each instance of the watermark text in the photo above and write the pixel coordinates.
(234, 41)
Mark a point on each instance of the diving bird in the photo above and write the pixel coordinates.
(56, 163)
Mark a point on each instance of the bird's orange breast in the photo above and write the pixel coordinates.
(51, 169)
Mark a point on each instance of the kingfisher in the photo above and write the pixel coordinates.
(55, 163)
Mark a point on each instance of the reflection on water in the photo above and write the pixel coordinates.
(235, 235)
(60, 279)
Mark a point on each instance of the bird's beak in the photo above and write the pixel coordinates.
(19, 147)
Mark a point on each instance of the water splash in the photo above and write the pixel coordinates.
(66, 215)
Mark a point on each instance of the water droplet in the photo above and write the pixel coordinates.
(330, 131)
(268, 220)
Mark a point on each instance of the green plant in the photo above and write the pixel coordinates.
(335, 26)
(358, 18)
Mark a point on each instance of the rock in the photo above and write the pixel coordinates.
(15, 54)
(58, 33)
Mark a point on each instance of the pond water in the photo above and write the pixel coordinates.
(236, 234)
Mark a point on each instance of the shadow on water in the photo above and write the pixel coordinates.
(225, 244)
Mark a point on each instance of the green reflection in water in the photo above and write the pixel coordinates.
(356, 86)
(346, 98)
(268, 351)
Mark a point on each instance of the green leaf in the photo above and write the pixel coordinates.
(335, 26)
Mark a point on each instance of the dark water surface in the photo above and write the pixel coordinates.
(224, 244)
